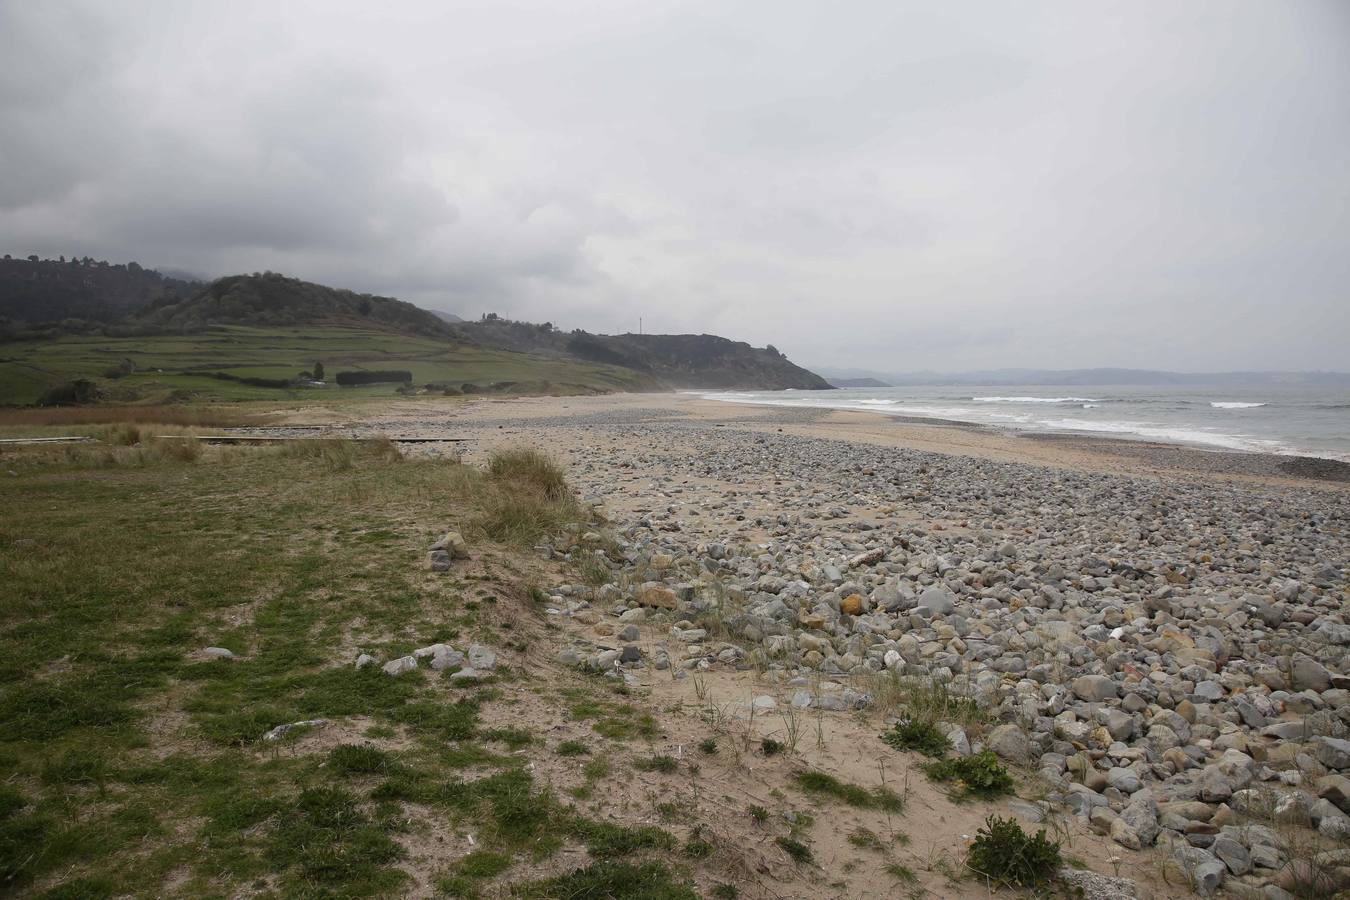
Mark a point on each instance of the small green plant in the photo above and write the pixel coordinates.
(865, 839)
(708, 746)
(697, 847)
(794, 848)
(770, 747)
(980, 775)
(725, 892)
(573, 748)
(854, 795)
(1006, 853)
(901, 873)
(918, 736)
(662, 763)
(759, 814)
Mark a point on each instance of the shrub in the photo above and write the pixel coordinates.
(73, 393)
(770, 747)
(1006, 853)
(919, 736)
(374, 376)
(980, 775)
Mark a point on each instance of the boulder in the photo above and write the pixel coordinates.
(1094, 688)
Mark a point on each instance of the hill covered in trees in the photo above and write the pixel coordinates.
(275, 300)
(47, 294)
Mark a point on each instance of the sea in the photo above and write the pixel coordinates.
(1287, 420)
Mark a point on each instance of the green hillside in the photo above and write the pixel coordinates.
(159, 367)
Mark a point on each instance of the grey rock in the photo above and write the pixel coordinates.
(1333, 753)
(217, 653)
(1010, 743)
(482, 658)
(1123, 780)
(1308, 674)
(938, 600)
(282, 730)
(365, 659)
(1235, 856)
(400, 665)
(1094, 688)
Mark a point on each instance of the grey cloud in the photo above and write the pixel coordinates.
(898, 184)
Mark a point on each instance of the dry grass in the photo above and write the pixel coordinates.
(524, 498)
(185, 416)
(528, 470)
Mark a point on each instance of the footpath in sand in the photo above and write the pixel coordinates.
(1155, 637)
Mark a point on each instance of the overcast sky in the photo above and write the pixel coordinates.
(893, 185)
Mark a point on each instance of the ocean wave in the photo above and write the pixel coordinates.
(1233, 404)
(1036, 399)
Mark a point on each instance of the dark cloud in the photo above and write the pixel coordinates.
(898, 185)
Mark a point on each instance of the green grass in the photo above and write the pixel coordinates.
(174, 363)
(605, 880)
(129, 761)
(823, 785)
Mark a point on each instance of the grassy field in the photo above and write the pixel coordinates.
(130, 764)
(165, 364)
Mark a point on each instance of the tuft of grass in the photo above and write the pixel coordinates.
(759, 814)
(663, 763)
(821, 784)
(359, 759)
(708, 746)
(901, 872)
(794, 848)
(572, 748)
(1004, 852)
(770, 747)
(606, 879)
(865, 839)
(980, 775)
(324, 839)
(478, 866)
(725, 892)
(529, 469)
(514, 738)
(607, 841)
(918, 735)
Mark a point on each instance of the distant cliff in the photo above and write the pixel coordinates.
(671, 360)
